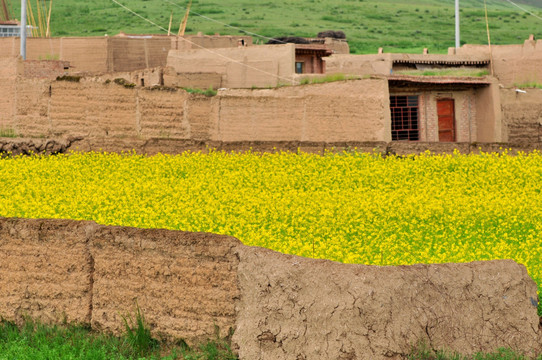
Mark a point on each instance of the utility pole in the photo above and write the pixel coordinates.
(23, 29)
(457, 34)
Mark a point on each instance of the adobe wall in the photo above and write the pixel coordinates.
(280, 306)
(43, 69)
(241, 67)
(362, 65)
(98, 108)
(56, 270)
(513, 64)
(8, 79)
(108, 54)
(522, 113)
(128, 54)
(194, 80)
(88, 54)
(298, 308)
(338, 111)
(46, 271)
(490, 118)
(189, 42)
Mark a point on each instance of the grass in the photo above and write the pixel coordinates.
(209, 92)
(34, 340)
(8, 133)
(446, 72)
(423, 353)
(395, 25)
(326, 79)
(529, 85)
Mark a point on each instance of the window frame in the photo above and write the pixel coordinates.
(405, 117)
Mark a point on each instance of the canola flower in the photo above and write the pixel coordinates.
(349, 207)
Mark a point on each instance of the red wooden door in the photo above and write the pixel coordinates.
(446, 120)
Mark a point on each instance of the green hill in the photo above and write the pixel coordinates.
(396, 25)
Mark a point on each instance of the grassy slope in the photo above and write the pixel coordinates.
(397, 25)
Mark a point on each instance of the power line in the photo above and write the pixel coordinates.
(227, 25)
(204, 48)
(136, 14)
(527, 11)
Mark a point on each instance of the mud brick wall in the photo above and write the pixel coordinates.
(49, 69)
(45, 270)
(513, 64)
(280, 306)
(185, 283)
(338, 111)
(63, 270)
(127, 54)
(297, 308)
(522, 114)
(8, 77)
(32, 104)
(92, 107)
(166, 120)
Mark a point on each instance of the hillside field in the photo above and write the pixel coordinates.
(396, 25)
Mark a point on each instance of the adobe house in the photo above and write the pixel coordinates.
(444, 109)
(309, 58)
(464, 107)
(435, 98)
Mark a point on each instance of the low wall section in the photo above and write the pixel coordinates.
(280, 306)
(513, 64)
(92, 107)
(522, 113)
(240, 67)
(103, 54)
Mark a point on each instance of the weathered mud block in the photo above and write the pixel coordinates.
(297, 308)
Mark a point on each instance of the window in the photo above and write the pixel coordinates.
(299, 67)
(404, 117)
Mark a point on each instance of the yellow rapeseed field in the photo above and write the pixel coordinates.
(349, 207)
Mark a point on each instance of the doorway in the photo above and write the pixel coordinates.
(446, 120)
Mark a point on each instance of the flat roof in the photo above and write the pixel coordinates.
(448, 82)
(320, 49)
(439, 59)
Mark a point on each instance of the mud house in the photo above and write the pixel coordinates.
(309, 58)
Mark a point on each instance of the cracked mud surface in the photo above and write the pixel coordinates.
(296, 308)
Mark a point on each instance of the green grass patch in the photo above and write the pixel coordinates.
(70, 78)
(446, 72)
(326, 79)
(422, 352)
(6, 132)
(209, 92)
(124, 82)
(529, 85)
(34, 340)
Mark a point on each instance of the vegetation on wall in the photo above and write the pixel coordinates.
(396, 25)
